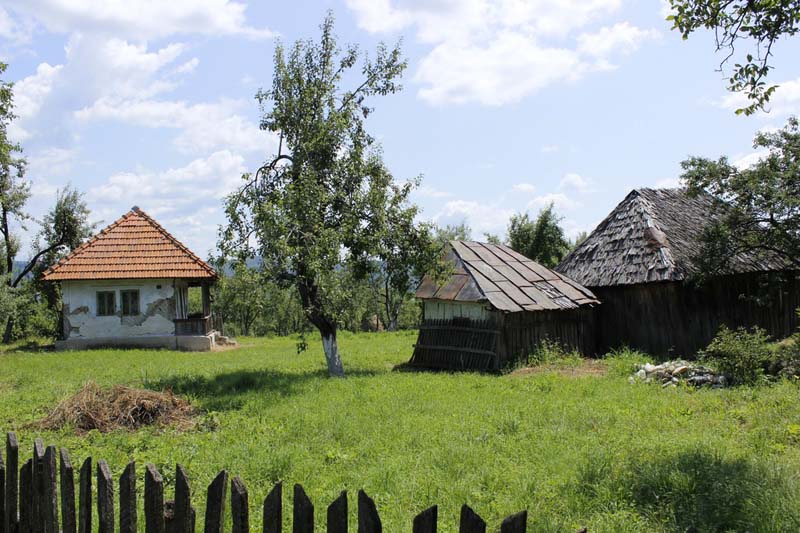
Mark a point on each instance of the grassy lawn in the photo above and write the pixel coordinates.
(574, 448)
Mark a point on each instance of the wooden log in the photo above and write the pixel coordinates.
(85, 497)
(105, 498)
(67, 478)
(215, 503)
(273, 510)
(127, 499)
(337, 514)
(516, 523)
(302, 512)
(470, 521)
(183, 502)
(153, 500)
(25, 523)
(49, 504)
(368, 519)
(426, 521)
(239, 507)
(2, 494)
(39, 486)
(12, 483)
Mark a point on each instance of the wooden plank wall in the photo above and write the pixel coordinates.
(36, 507)
(574, 329)
(671, 319)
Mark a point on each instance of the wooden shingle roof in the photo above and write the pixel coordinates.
(652, 235)
(507, 280)
(133, 247)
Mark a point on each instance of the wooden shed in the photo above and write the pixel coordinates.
(497, 306)
(640, 262)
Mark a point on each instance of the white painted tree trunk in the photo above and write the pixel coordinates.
(335, 368)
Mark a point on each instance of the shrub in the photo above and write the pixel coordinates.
(740, 354)
(549, 351)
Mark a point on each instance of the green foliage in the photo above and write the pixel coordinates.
(452, 232)
(542, 239)
(759, 207)
(739, 354)
(586, 450)
(548, 352)
(759, 24)
(328, 203)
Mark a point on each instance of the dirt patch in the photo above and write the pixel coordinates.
(120, 407)
(587, 367)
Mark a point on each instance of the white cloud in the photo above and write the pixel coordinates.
(550, 148)
(784, 101)
(668, 183)
(204, 126)
(559, 200)
(746, 161)
(622, 37)
(496, 52)
(29, 96)
(524, 187)
(426, 191)
(479, 216)
(14, 31)
(576, 182)
(50, 162)
(141, 19)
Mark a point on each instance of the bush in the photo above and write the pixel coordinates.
(740, 354)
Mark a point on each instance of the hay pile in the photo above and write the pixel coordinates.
(120, 407)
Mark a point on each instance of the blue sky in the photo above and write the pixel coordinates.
(508, 104)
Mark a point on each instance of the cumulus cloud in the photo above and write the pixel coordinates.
(559, 200)
(524, 187)
(576, 182)
(140, 19)
(784, 101)
(203, 126)
(496, 52)
(30, 94)
(426, 191)
(479, 216)
(747, 161)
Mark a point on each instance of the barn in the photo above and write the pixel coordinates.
(640, 262)
(496, 306)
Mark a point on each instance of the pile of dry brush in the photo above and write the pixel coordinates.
(94, 407)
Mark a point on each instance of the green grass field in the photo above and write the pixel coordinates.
(574, 448)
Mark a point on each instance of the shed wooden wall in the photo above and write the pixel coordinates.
(670, 319)
(522, 333)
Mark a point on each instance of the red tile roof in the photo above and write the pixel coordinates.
(133, 247)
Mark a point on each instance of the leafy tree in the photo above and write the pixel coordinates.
(758, 211)
(320, 206)
(491, 238)
(760, 23)
(542, 239)
(456, 232)
(579, 238)
(239, 298)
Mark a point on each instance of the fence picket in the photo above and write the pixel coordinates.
(49, 504)
(38, 478)
(215, 503)
(12, 482)
(470, 521)
(182, 522)
(426, 521)
(368, 519)
(85, 497)
(127, 499)
(337, 514)
(26, 496)
(273, 510)
(303, 512)
(239, 507)
(105, 498)
(2, 494)
(67, 478)
(516, 523)
(153, 500)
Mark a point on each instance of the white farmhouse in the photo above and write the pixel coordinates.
(129, 286)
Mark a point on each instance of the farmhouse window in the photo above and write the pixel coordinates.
(105, 303)
(130, 302)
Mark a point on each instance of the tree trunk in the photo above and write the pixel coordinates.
(9, 329)
(335, 368)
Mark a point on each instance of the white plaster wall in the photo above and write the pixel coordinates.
(80, 300)
(439, 310)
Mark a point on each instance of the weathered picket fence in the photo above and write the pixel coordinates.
(29, 501)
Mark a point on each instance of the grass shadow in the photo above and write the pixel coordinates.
(228, 391)
(30, 346)
(699, 490)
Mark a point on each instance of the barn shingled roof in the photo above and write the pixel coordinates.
(133, 247)
(652, 235)
(509, 281)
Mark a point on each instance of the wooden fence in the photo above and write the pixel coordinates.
(29, 502)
